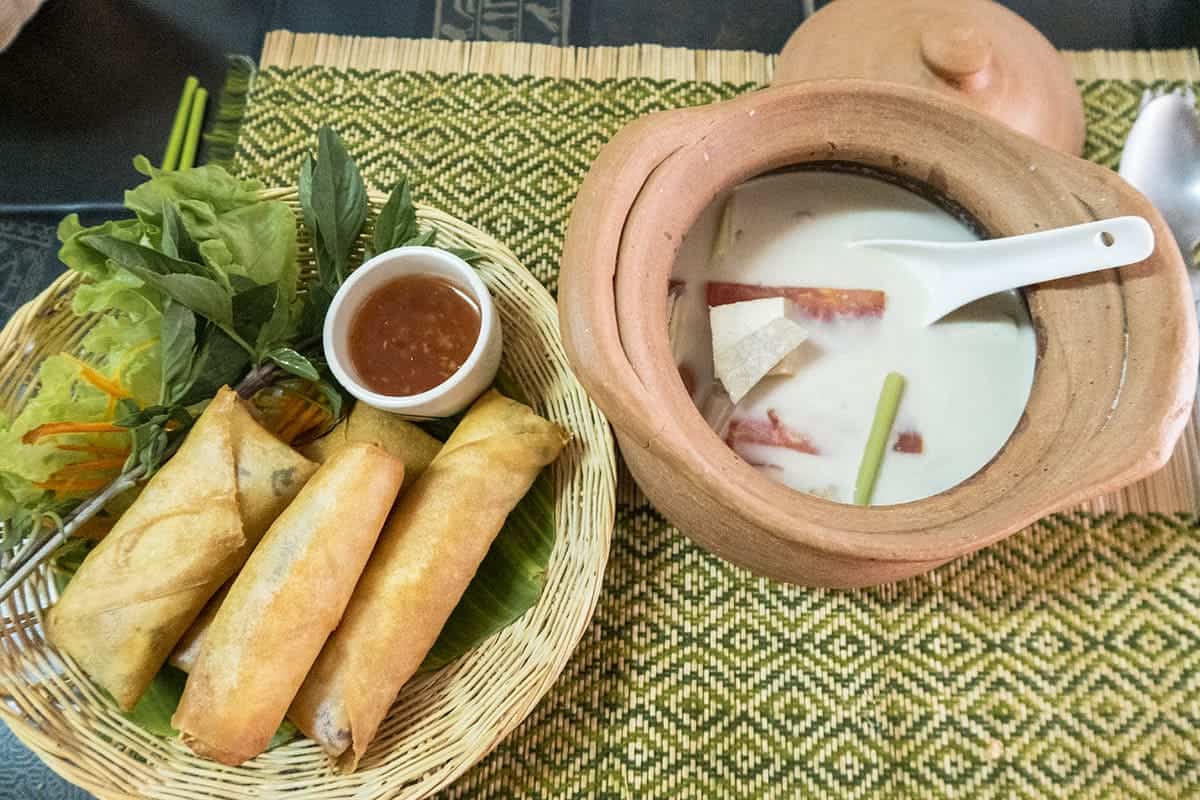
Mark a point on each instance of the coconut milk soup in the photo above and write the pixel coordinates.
(806, 422)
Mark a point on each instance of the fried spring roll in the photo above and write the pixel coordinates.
(269, 475)
(283, 605)
(188, 650)
(399, 437)
(430, 549)
(189, 530)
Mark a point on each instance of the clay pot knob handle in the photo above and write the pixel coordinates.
(957, 53)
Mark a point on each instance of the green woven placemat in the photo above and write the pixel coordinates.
(1062, 662)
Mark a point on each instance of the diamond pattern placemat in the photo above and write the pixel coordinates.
(1062, 662)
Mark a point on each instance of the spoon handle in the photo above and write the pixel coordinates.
(955, 273)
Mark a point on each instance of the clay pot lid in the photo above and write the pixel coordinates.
(976, 51)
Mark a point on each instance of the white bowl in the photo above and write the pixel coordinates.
(456, 392)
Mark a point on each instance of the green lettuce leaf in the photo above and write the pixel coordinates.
(15, 493)
(81, 258)
(61, 396)
(123, 292)
(223, 217)
(132, 348)
(209, 183)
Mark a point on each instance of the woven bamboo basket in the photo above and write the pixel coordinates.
(443, 722)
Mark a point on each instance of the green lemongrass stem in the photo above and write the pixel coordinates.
(84, 512)
(182, 114)
(188, 158)
(881, 431)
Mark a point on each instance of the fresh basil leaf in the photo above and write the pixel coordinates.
(132, 255)
(166, 240)
(182, 281)
(252, 308)
(150, 444)
(304, 184)
(275, 330)
(133, 416)
(466, 254)
(312, 314)
(220, 361)
(157, 704)
(293, 362)
(202, 295)
(339, 199)
(178, 338)
(422, 239)
(397, 220)
(154, 432)
(240, 283)
(176, 241)
(335, 397)
(326, 268)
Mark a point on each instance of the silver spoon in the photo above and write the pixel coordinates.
(1162, 160)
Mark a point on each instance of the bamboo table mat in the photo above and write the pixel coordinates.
(1065, 660)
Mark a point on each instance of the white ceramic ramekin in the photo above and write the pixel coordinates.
(455, 393)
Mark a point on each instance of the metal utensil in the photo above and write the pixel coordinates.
(1162, 160)
(956, 273)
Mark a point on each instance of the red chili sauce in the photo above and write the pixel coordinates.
(412, 333)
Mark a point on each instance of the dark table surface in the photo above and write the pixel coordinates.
(90, 83)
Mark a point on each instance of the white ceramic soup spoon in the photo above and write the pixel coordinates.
(956, 273)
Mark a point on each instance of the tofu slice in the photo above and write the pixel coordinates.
(753, 339)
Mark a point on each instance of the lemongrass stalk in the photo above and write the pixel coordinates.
(192, 141)
(881, 431)
(182, 115)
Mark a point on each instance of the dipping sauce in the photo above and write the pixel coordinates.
(412, 333)
(968, 376)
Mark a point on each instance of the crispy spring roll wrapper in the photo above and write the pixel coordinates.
(283, 605)
(430, 549)
(137, 592)
(399, 437)
(193, 525)
(188, 650)
(269, 474)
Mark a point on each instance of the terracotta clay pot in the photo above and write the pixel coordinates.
(975, 51)
(1116, 357)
